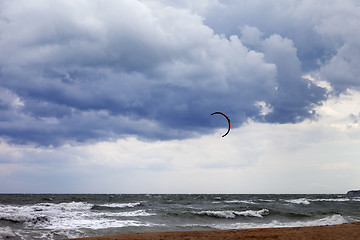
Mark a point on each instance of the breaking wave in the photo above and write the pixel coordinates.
(121, 205)
(72, 215)
(233, 214)
(302, 201)
(239, 201)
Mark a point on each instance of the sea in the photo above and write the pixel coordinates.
(61, 216)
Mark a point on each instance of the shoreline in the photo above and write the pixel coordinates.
(344, 231)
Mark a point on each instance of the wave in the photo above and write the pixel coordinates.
(15, 210)
(307, 201)
(23, 218)
(73, 215)
(65, 206)
(71, 205)
(302, 201)
(330, 220)
(137, 213)
(239, 201)
(266, 200)
(233, 214)
(120, 205)
(331, 200)
(22, 214)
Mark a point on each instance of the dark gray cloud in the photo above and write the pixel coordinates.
(324, 33)
(296, 20)
(89, 71)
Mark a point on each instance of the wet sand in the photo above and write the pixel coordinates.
(346, 231)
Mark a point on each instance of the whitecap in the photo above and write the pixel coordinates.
(219, 214)
(121, 205)
(266, 200)
(330, 200)
(239, 201)
(137, 213)
(302, 201)
(252, 213)
(233, 214)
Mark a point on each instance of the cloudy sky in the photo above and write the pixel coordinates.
(116, 96)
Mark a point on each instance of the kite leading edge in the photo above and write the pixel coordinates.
(228, 119)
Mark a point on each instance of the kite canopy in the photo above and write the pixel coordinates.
(228, 119)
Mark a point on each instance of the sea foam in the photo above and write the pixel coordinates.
(72, 215)
(6, 232)
(330, 220)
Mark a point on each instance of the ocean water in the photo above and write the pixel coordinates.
(59, 216)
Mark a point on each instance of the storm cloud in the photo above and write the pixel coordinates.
(78, 71)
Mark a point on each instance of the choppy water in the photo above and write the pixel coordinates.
(47, 216)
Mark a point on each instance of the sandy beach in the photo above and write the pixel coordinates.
(346, 231)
